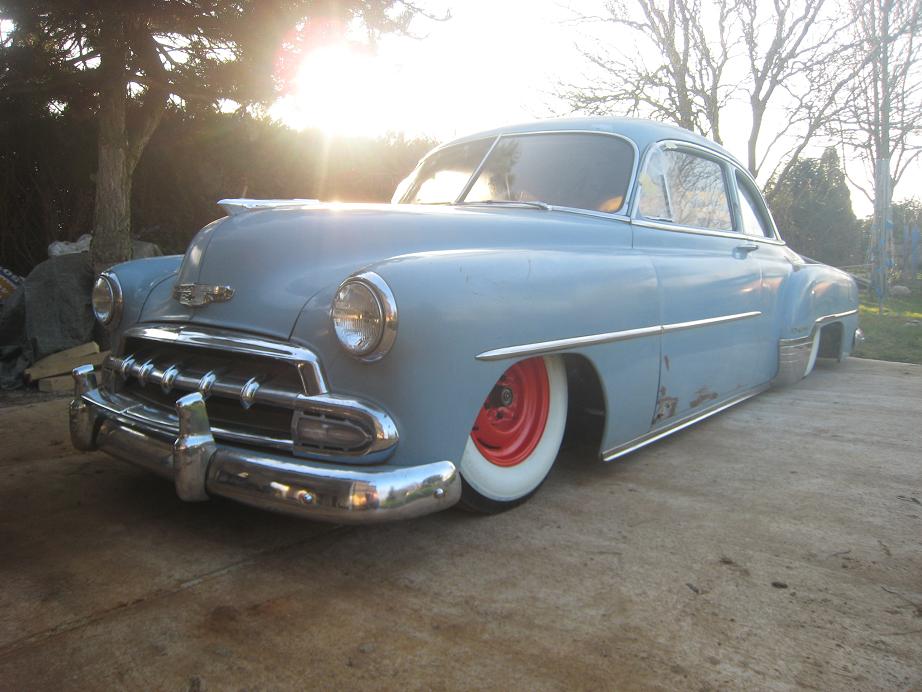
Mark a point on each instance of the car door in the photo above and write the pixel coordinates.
(775, 260)
(710, 284)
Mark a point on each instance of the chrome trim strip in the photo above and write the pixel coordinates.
(646, 223)
(835, 316)
(677, 326)
(543, 347)
(556, 345)
(306, 360)
(794, 353)
(680, 424)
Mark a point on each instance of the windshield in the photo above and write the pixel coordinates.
(567, 169)
(440, 178)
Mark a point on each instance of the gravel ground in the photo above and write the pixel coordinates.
(777, 545)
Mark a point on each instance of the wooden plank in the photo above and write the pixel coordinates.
(57, 384)
(62, 361)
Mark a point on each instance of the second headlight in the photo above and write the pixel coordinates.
(364, 316)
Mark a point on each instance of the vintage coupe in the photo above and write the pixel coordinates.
(361, 363)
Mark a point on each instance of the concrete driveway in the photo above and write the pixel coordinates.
(776, 545)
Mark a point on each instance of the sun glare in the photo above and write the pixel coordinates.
(337, 89)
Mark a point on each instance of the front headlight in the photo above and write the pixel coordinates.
(107, 298)
(364, 316)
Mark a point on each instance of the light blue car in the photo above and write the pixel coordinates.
(363, 363)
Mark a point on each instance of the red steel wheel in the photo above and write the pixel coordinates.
(516, 435)
(512, 419)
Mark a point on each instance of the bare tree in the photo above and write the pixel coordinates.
(880, 122)
(707, 54)
(682, 81)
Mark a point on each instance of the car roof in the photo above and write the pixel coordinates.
(641, 131)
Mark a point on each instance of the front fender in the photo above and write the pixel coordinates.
(138, 278)
(454, 305)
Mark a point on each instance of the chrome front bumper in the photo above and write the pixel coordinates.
(200, 467)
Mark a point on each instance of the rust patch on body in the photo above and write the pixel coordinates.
(702, 395)
(665, 406)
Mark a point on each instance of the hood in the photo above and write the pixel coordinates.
(277, 259)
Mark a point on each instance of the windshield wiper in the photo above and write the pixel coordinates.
(533, 203)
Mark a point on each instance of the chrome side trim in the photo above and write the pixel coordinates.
(819, 321)
(793, 357)
(680, 424)
(794, 354)
(646, 223)
(304, 359)
(677, 326)
(544, 347)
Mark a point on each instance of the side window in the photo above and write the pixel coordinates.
(752, 210)
(685, 189)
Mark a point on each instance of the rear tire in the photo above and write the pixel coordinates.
(516, 436)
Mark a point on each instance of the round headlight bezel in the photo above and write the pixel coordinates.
(387, 306)
(108, 282)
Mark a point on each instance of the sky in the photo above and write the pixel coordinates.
(493, 62)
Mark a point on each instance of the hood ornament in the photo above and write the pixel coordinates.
(196, 295)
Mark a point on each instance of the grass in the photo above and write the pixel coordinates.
(897, 334)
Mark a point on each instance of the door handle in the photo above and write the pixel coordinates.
(742, 251)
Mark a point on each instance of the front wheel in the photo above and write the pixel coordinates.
(516, 437)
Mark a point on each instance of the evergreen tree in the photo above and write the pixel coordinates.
(812, 207)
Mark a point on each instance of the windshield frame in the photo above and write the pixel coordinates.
(622, 213)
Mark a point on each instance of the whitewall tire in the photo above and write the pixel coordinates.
(516, 436)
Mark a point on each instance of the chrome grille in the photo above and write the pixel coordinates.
(256, 391)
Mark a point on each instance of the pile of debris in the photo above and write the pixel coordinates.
(47, 320)
(52, 373)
